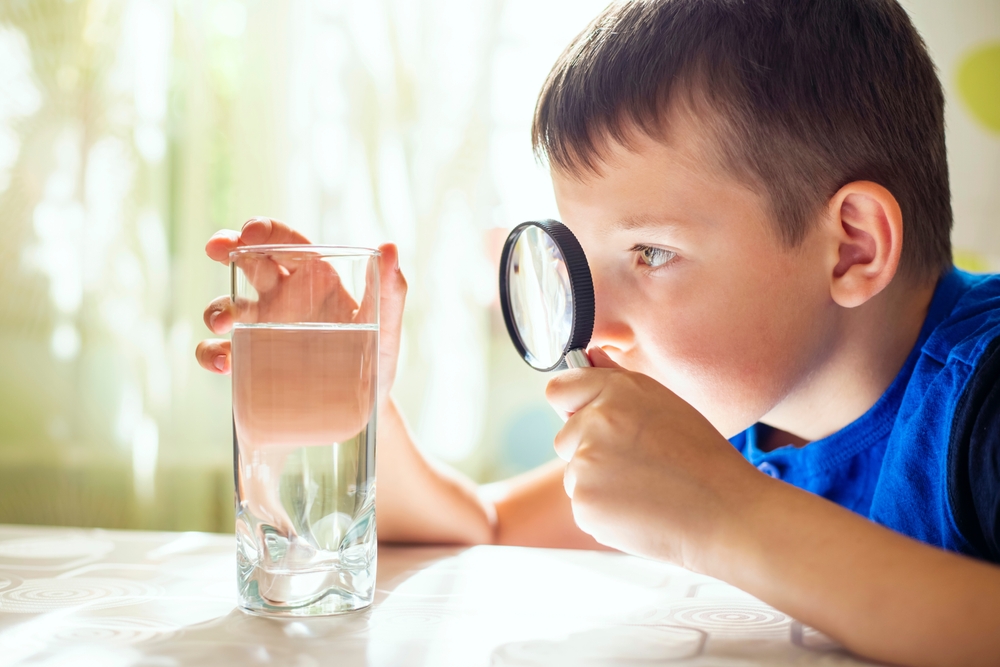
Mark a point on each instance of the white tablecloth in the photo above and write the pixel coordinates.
(121, 599)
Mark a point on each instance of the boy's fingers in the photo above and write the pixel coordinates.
(569, 480)
(571, 390)
(600, 359)
(221, 244)
(392, 301)
(214, 355)
(568, 439)
(265, 273)
(324, 279)
(585, 425)
(219, 315)
(255, 231)
(265, 231)
(392, 297)
(262, 272)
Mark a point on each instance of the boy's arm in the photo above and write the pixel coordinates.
(651, 476)
(423, 502)
(533, 510)
(882, 595)
(419, 501)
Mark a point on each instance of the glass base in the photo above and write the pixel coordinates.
(320, 593)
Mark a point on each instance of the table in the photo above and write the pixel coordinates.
(140, 599)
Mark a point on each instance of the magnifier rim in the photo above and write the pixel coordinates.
(581, 287)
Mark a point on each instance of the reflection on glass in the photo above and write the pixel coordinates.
(541, 298)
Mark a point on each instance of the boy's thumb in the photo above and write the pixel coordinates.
(600, 358)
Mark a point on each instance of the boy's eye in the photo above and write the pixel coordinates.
(654, 257)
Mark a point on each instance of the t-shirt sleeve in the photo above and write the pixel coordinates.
(974, 458)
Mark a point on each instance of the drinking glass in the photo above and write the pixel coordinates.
(305, 374)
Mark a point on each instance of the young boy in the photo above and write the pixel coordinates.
(761, 189)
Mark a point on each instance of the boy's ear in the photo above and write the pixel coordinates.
(866, 227)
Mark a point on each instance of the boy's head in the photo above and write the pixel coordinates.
(762, 153)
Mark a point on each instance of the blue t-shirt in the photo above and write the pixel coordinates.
(925, 459)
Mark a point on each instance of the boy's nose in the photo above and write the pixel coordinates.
(611, 328)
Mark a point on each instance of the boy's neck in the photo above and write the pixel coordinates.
(877, 339)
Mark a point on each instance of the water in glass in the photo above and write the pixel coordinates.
(304, 401)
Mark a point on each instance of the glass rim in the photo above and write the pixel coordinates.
(316, 249)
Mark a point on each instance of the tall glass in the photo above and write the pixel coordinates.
(305, 374)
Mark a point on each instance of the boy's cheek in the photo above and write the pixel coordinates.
(717, 370)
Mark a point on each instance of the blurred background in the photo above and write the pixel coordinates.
(131, 130)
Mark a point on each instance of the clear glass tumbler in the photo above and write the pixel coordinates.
(305, 376)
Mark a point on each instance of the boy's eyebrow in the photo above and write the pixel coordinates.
(630, 223)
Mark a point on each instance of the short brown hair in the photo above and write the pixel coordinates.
(811, 94)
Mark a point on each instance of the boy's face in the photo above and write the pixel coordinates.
(693, 285)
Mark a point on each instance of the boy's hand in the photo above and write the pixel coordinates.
(215, 354)
(647, 473)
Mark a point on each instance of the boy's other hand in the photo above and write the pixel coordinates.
(647, 474)
(215, 354)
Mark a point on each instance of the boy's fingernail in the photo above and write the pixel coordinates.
(211, 318)
(220, 362)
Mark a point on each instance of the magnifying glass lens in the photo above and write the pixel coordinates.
(547, 295)
(541, 297)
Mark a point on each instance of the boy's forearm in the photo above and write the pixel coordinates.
(882, 595)
(419, 501)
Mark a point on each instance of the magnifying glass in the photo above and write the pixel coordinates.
(547, 295)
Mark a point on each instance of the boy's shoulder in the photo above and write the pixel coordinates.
(940, 478)
(968, 318)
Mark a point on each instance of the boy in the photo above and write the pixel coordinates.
(761, 189)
